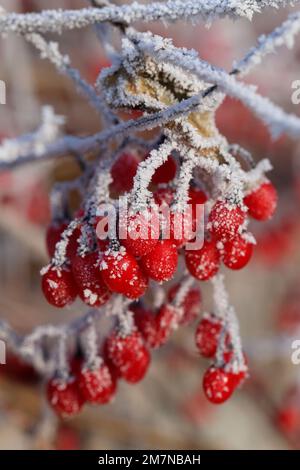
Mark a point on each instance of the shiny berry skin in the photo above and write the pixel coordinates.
(191, 303)
(123, 172)
(58, 286)
(64, 397)
(225, 220)
(218, 385)
(129, 355)
(166, 172)
(161, 263)
(97, 385)
(207, 335)
(91, 287)
(262, 202)
(53, 234)
(204, 263)
(237, 253)
(122, 274)
(140, 233)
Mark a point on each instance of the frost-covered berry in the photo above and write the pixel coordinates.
(204, 263)
(161, 263)
(122, 274)
(73, 243)
(191, 303)
(218, 385)
(91, 287)
(65, 397)
(140, 232)
(262, 201)
(163, 196)
(207, 335)
(145, 321)
(58, 286)
(97, 385)
(166, 172)
(129, 355)
(225, 220)
(166, 322)
(237, 252)
(53, 234)
(123, 172)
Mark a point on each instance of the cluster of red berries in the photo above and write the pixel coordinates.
(124, 356)
(126, 264)
(223, 377)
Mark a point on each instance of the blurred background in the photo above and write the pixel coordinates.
(167, 410)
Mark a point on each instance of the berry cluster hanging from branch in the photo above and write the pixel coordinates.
(188, 165)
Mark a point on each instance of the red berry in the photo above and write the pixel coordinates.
(262, 202)
(58, 286)
(145, 322)
(64, 397)
(166, 172)
(225, 220)
(237, 253)
(161, 263)
(163, 196)
(123, 172)
(165, 323)
(91, 287)
(191, 303)
(197, 196)
(218, 385)
(288, 419)
(207, 335)
(53, 235)
(129, 355)
(97, 385)
(204, 263)
(73, 243)
(140, 233)
(121, 273)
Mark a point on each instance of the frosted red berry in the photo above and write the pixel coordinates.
(207, 335)
(91, 287)
(262, 201)
(166, 172)
(129, 355)
(166, 321)
(218, 385)
(122, 274)
(191, 303)
(97, 385)
(145, 321)
(73, 243)
(64, 397)
(139, 232)
(225, 220)
(237, 253)
(123, 172)
(161, 263)
(204, 263)
(53, 234)
(58, 286)
(163, 196)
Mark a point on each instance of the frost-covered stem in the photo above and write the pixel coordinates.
(63, 368)
(226, 313)
(51, 52)
(89, 344)
(56, 21)
(272, 115)
(283, 35)
(237, 150)
(146, 169)
(186, 283)
(60, 255)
